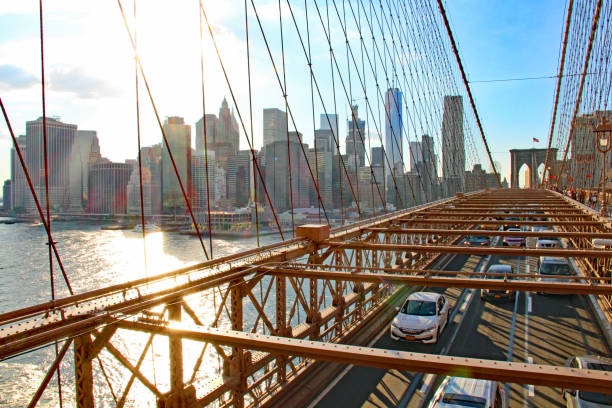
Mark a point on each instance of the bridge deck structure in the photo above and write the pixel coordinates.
(272, 315)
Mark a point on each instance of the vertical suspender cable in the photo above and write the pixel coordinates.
(316, 154)
(280, 20)
(46, 162)
(246, 25)
(142, 213)
(210, 233)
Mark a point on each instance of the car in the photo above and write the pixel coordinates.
(463, 392)
(511, 223)
(514, 241)
(546, 242)
(476, 240)
(422, 317)
(553, 266)
(540, 228)
(588, 399)
(497, 271)
(489, 227)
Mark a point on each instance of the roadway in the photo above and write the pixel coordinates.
(543, 329)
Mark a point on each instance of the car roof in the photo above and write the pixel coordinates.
(513, 229)
(499, 267)
(553, 259)
(468, 386)
(593, 360)
(548, 239)
(424, 296)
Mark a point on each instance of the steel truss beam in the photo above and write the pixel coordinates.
(502, 214)
(495, 222)
(497, 233)
(522, 373)
(453, 282)
(575, 253)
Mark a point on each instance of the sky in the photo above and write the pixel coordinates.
(90, 73)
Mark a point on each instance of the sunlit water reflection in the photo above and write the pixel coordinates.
(95, 258)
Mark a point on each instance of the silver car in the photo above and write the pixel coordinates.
(460, 392)
(588, 399)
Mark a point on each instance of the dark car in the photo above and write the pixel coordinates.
(511, 223)
(475, 240)
(497, 271)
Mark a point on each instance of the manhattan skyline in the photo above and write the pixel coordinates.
(106, 91)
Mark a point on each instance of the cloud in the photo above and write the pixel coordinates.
(13, 77)
(74, 80)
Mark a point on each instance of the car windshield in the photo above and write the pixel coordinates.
(554, 269)
(596, 397)
(463, 400)
(419, 308)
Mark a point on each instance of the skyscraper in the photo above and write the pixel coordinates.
(19, 188)
(178, 135)
(85, 154)
(200, 180)
(355, 139)
(6, 195)
(211, 132)
(108, 187)
(151, 183)
(227, 129)
(416, 154)
(330, 122)
(453, 147)
(393, 127)
(274, 126)
(60, 139)
(239, 179)
(276, 174)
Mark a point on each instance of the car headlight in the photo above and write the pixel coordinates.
(394, 324)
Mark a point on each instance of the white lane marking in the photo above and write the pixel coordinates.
(530, 387)
(529, 303)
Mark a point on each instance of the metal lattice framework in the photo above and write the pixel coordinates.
(304, 298)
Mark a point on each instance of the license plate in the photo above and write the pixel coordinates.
(497, 296)
(409, 337)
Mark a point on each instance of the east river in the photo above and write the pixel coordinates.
(93, 258)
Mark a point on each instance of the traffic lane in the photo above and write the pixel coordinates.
(487, 331)
(557, 328)
(548, 329)
(376, 387)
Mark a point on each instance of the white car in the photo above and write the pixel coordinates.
(544, 242)
(422, 318)
(463, 392)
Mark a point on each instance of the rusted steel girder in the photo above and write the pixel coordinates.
(496, 222)
(452, 282)
(522, 373)
(491, 208)
(428, 272)
(475, 250)
(497, 233)
(502, 214)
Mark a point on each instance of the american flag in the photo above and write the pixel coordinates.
(536, 140)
